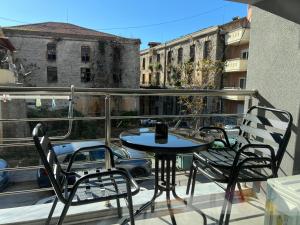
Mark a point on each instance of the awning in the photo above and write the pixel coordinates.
(288, 9)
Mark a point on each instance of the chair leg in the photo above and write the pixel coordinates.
(130, 206)
(193, 185)
(51, 211)
(226, 209)
(190, 179)
(65, 210)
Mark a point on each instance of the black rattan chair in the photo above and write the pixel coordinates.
(88, 186)
(256, 155)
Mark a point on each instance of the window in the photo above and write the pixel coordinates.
(207, 50)
(157, 78)
(179, 56)
(51, 51)
(85, 54)
(144, 63)
(169, 58)
(158, 58)
(150, 78)
(51, 74)
(143, 78)
(243, 83)
(244, 54)
(192, 53)
(150, 59)
(85, 74)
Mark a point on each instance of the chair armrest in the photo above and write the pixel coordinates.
(253, 157)
(88, 149)
(129, 179)
(227, 144)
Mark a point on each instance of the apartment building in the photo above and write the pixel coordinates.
(63, 54)
(236, 51)
(177, 63)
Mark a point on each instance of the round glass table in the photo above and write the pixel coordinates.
(165, 150)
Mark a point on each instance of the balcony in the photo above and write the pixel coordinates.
(19, 199)
(235, 65)
(237, 37)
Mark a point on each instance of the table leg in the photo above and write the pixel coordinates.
(168, 189)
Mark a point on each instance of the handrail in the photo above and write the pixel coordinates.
(128, 91)
(107, 93)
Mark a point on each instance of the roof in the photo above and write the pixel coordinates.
(61, 29)
(5, 43)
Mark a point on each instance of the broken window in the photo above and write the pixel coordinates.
(180, 55)
(157, 78)
(158, 58)
(207, 50)
(51, 74)
(51, 51)
(144, 63)
(85, 54)
(85, 74)
(192, 53)
(169, 58)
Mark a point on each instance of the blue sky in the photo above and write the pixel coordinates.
(154, 20)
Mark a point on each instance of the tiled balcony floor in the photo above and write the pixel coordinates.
(208, 198)
(243, 213)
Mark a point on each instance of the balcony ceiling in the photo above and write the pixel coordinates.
(288, 9)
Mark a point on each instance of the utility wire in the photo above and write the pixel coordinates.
(140, 26)
(11, 20)
(166, 22)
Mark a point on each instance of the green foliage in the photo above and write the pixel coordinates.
(80, 129)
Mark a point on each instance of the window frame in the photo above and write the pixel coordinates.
(192, 52)
(51, 51)
(85, 53)
(242, 79)
(180, 55)
(52, 72)
(85, 76)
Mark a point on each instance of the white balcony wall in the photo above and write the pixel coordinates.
(235, 65)
(238, 36)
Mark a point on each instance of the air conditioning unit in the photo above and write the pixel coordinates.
(283, 201)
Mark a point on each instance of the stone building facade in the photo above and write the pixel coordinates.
(62, 54)
(161, 62)
(236, 51)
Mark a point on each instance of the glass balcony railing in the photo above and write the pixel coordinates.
(90, 114)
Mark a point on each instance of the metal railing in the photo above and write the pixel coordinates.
(10, 93)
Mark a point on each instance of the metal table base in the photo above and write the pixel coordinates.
(165, 181)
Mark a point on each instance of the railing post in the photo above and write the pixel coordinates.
(107, 129)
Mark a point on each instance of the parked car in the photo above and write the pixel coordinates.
(128, 159)
(4, 178)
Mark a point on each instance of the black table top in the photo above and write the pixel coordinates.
(143, 139)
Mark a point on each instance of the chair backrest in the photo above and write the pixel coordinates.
(49, 159)
(262, 125)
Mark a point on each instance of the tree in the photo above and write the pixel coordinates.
(202, 74)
